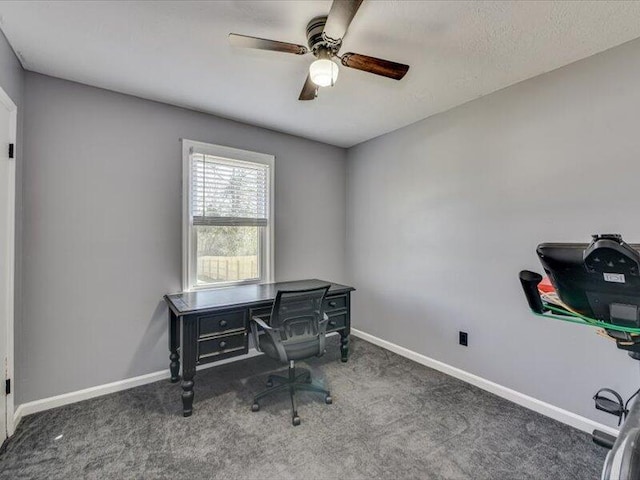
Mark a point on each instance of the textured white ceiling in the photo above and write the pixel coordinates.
(177, 52)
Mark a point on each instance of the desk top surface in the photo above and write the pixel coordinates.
(241, 295)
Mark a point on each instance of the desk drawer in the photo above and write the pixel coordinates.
(222, 322)
(338, 302)
(223, 344)
(337, 321)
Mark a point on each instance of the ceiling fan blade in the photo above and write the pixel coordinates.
(264, 44)
(378, 66)
(340, 16)
(309, 91)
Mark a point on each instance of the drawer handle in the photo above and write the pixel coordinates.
(332, 304)
(332, 322)
(223, 323)
(223, 344)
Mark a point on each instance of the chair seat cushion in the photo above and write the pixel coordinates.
(295, 351)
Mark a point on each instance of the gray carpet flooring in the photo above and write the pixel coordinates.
(391, 418)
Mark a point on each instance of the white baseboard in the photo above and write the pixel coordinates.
(564, 416)
(41, 405)
(17, 416)
(29, 408)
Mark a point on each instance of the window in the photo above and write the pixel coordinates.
(228, 216)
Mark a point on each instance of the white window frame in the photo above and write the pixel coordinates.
(189, 245)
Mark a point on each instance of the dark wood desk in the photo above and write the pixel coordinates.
(211, 325)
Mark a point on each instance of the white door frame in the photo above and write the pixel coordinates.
(9, 311)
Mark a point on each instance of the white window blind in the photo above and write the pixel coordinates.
(228, 192)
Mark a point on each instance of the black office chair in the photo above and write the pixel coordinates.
(294, 330)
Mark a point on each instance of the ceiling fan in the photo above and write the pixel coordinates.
(324, 37)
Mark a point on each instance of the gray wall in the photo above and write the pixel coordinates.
(12, 82)
(442, 215)
(11, 73)
(102, 227)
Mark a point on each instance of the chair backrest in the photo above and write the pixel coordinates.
(297, 314)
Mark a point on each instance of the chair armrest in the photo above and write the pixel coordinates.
(324, 322)
(255, 322)
(322, 331)
(274, 333)
(261, 322)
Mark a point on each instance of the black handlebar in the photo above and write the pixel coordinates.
(530, 281)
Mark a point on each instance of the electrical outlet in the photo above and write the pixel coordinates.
(464, 339)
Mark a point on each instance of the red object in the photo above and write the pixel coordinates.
(545, 286)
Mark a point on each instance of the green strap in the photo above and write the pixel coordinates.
(573, 317)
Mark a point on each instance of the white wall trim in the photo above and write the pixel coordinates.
(559, 414)
(9, 308)
(91, 392)
(17, 416)
(41, 405)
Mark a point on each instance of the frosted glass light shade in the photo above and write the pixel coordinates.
(323, 72)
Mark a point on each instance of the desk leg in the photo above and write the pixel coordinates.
(189, 352)
(174, 343)
(344, 345)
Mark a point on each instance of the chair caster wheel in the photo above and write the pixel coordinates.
(296, 421)
(255, 407)
(269, 383)
(328, 400)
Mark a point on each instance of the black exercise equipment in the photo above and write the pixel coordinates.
(613, 406)
(598, 285)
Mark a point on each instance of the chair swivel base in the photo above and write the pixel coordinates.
(293, 383)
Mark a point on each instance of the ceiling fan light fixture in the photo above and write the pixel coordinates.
(325, 34)
(323, 72)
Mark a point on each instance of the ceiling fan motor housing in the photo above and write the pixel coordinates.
(315, 38)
